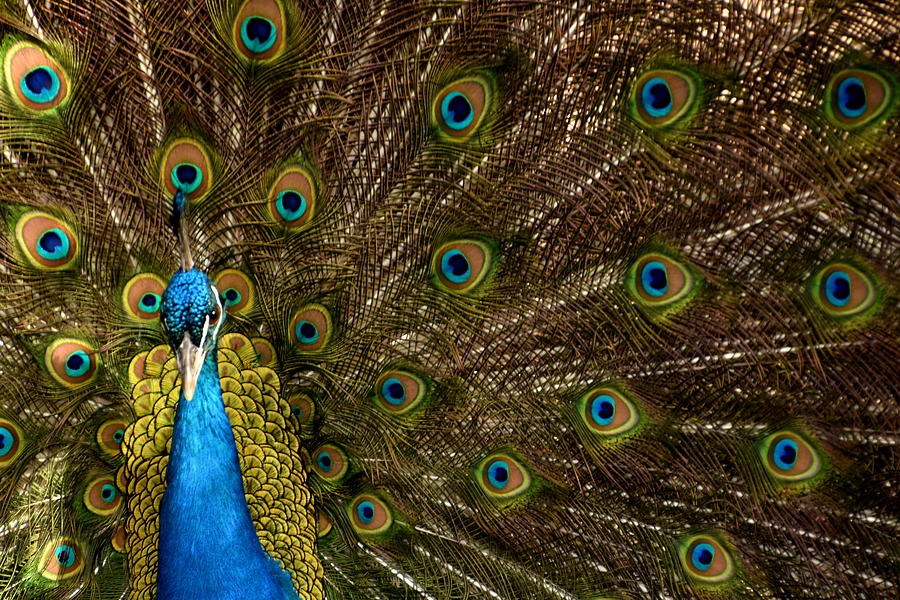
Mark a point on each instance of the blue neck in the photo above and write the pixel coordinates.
(208, 547)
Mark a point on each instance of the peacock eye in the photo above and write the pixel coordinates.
(110, 435)
(855, 97)
(502, 476)
(186, 169)
(11, 442)
(302, 408)
(399, 392)
(842, 290)
(47, 242)
(36, 80)
(370, 514)
(460, 107)
(71, 362)
(142, 296)
(608, 412)
(62, 558)
(215, 315)
(292, 199)
(789, 458)
(461, 266)
(663, 97)
(237, 291)
(330, 462)
(324, 525)
(706, 560)
(259, 29)
(311, 328)
(658, 280)
(265, 351)
(102, 497)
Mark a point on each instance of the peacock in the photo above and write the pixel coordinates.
(444, 299)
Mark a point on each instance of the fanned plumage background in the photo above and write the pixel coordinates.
(753, 193)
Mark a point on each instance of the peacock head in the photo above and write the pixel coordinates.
(191, 315)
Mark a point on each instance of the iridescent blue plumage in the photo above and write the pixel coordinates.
(208, 546)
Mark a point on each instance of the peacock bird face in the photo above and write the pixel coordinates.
(191, 315)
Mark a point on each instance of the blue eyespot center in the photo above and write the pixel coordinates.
(150, 302)
(837, 288)
(77, 363)
(366, 512)
(603, 409)
(186, 177)
(702, 556)
(53, 244)
(457, 111)
(306, 332)
(498, 474)
(231, 296)
(852, 101)
(455, 266)
(291, 205)
(393, 391)
(324, 461)
(40, 84)
(258, 34)
(656, 97)
(118, 436)
(108, 493)
(785, 454)
(297, 412)
(7, 439)
(654, 278)
(65, 555)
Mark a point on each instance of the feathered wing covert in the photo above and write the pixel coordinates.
(564, 300)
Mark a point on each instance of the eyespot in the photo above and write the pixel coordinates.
(302, 408)
(142, 296)
(657, 280)
(47, 242)
(236, 291)
(186, 167)
(259, 29)
(370, 514)
(292, 199)
(459, 109)
(664, 97)
(706, 560)
(118, 540)
(265, 351)
(330, 462)
(789, 458)
(36, 80)
(855, 97)
(101, 496)
(502, 476)
(61, 559)
(110, 435)
(71, 362)
(609, 412)
(842, 290)
(11, 442)
(325, 526)
(311, 328)
(399, 392)
(461, 266)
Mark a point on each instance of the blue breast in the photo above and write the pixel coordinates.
(208, 547)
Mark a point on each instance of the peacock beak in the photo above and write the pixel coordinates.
(190, 360)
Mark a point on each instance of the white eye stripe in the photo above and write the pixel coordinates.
(221, 309)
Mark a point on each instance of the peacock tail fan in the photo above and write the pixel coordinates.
(490, 299)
